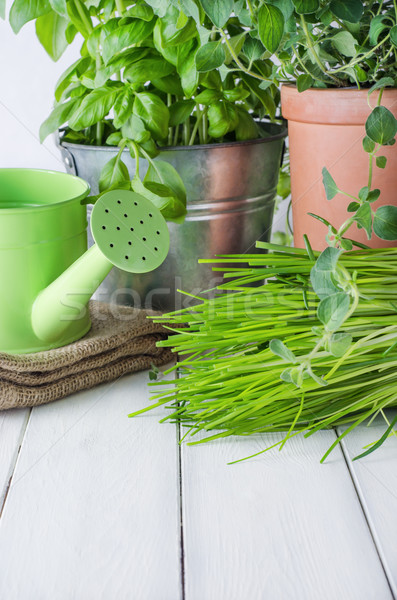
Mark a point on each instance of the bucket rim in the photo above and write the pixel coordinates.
(45, 207)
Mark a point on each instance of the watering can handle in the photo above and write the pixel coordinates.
(64, 300)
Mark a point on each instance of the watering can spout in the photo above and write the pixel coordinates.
(66, 299)
(130, 233)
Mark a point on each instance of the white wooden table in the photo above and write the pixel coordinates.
(97, 506)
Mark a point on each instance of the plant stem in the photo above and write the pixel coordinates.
(133, 146)
(196, 125)
(314, 53)
(87, 21)
(238, 61)
(120, 7)
(170, 130)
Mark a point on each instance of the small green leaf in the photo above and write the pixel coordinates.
(280, 349)
(113, 174)
(333, 310)
(23, 11)
(353, 206)
(346, 244)
(153, 112)
(222, 118)
(114, 139)
(345, 43)
(147, 69)
(304, 7)
(393, 35)
(363, 218)
(270, 26)
(122, 107)
(210, 56)
(164, 173)
(347, 10)
(381, 125)
(385, 222)
(331, 189)
(50, 30)
(218, 11)
(94, 107)
(381, 162)
(368, 144)
(134, 129)
(304, 82)
(124, 36)
(180, 111)
(58, 117)
(363, 193)
(373, 195)
(339, 344)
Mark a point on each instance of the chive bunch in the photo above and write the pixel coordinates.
(229, 381)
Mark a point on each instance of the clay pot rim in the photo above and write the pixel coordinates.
(332, 106)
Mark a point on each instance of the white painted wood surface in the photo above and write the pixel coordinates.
(93, 510)
(12, 429)
(375, 478)
(281, 526)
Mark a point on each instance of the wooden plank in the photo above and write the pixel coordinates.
(279, 526)
(375, 478)
(12, 428)
(93, 511)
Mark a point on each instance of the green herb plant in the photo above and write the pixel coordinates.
(317, 43)
(324, 325)
(147, 77)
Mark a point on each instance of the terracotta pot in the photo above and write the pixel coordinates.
(326, 128)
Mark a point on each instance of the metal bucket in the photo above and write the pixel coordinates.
(231, 190)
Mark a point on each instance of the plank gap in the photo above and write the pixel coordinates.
(367, 517)
(178, 439)
(15, 460)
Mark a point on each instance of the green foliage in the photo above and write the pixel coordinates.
(146, 74)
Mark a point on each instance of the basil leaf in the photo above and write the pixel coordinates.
(147, 69)
(122, 107)
(304, 82)
(94, 107)
(153, 112)
(58, 117)
(50, 30)
(134, 129)
(164, 173)
(222, 118)
(23, 11)
(180, 111)
(113, 174)
(127, 35)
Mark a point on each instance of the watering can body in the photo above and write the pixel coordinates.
(42, 233)
(47, 274)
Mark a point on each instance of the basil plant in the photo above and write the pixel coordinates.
(151, 74)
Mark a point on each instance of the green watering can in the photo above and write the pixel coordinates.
(47, 275)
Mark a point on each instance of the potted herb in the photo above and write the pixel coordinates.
(329, 53)
(314, 347)
(150, 106)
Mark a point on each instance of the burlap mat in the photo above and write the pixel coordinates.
(121, 340)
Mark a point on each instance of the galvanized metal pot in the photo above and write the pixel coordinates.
(230, 189)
